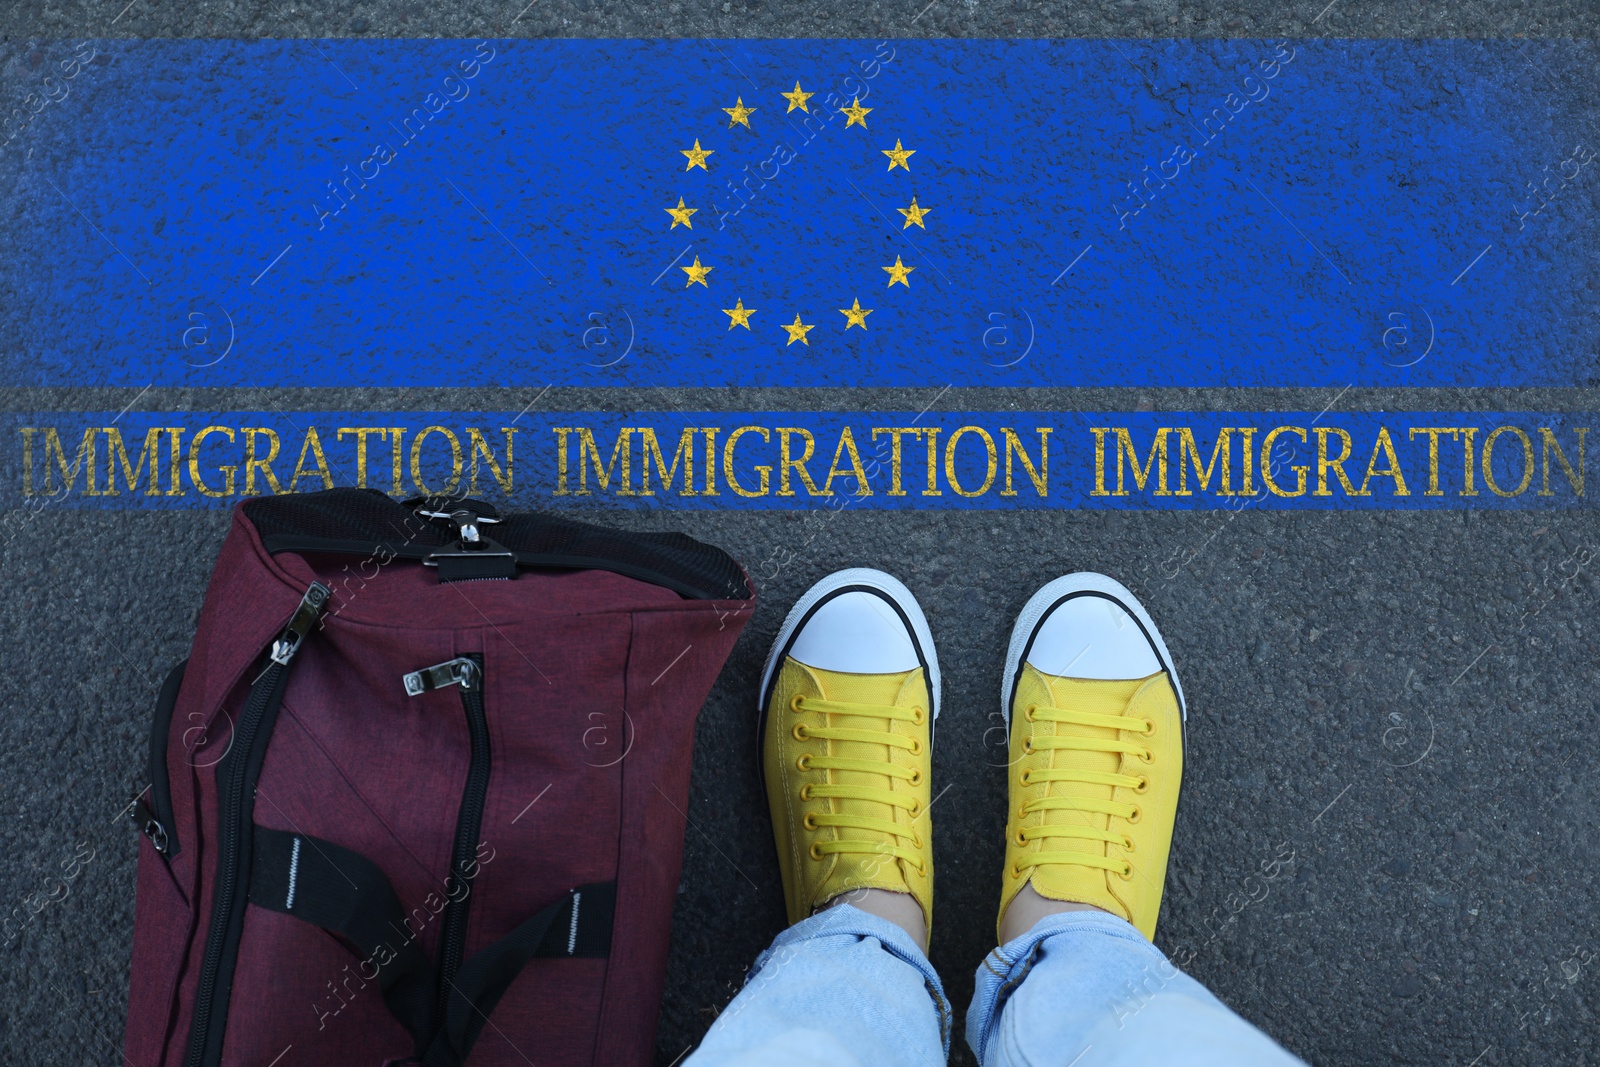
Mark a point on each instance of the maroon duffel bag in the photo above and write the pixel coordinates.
(418, 793)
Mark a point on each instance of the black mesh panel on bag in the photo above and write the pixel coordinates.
(361, 521)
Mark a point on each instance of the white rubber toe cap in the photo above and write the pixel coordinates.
(855, 621)
(857, 633)
(1092, 637)
(1086, 625)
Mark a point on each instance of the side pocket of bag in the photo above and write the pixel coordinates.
(164, 914)
(152, 808)
(673, 658)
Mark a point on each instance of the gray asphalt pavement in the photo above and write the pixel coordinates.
(1386, 849)
(1390, 715)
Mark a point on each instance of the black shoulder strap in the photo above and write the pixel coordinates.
(367, 523)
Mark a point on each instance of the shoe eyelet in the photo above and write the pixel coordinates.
(922, 870)
(916, 777)
(816, 852)
(1019, 840)
(805, 792)
(916, 747)
(810, 821)
(1025, 778)
(916, 840)
(918, 716)
(1147, 756)
(800, 732)
(1027, 745)
(1027, 713)
(1149, 728)
(797, 702)
(1127, 843)
(1135, 816)
(1126, 874)
(803, 763)
(1143, 787)
(915, 809)
(1016, 871)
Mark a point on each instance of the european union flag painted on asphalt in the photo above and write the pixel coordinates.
(815, 213)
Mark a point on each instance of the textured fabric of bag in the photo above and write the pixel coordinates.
(591, 684)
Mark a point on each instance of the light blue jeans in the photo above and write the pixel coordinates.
(1082, 989)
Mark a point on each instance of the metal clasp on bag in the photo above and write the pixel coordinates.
(460, 671)
(470, 544)
(473, 517)
(426, 513)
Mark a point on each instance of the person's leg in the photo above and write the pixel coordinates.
(838, 989)
(1097, 750)
(848, 697)
(1086, 989)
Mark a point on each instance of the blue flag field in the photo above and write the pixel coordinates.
(806, 213)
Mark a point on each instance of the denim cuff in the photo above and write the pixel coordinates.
(845, 920)
(1004, 968)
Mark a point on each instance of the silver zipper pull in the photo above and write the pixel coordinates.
(144, 817)
(462, 671)
(305, 616)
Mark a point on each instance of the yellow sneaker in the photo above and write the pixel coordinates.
(1096, 720)
(848, 698)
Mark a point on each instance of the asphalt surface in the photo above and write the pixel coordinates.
(1391, 713)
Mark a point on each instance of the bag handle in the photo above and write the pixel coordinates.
(348, 895)
(576, 925)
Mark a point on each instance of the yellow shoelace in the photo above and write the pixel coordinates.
(1088, 805)
(814, 820)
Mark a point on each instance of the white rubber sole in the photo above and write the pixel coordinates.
(1081, 583)
(889, 587)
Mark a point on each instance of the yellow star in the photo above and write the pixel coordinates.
(697, 156)
(797, 99)
(797, 332)
(913, 214)
(680, 214)
(856, 315)
(898, 273)
(898, 156)
(697, 273)
(858, 115)
(738, 315)
(740, 114)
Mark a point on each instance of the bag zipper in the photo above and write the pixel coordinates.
(154, 819)
(467, 672)
(237, 774)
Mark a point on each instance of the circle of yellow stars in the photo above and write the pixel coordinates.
(798, 100)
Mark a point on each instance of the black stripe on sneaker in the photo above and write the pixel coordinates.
(1022, 659)
(783, 654)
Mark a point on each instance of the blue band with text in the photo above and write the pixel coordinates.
(809, 460)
